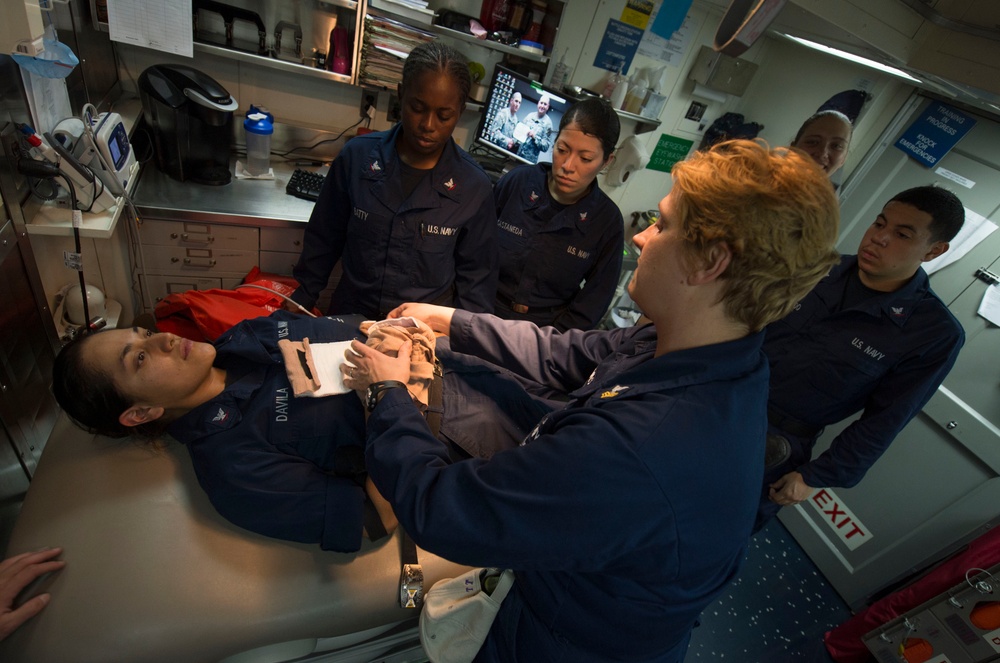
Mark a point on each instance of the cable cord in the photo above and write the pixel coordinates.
(982, 586)
(275, 292)
(33, 183)
(326, 140)
(79, 252)
(88, 111)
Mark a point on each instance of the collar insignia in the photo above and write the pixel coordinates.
(450, 184)
(583, 216)
(897, 310)
(220, 417)
(614, 391)
(375, 167)
(533, 435)
(533, 197)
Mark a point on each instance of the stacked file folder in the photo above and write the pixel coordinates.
(385, 46)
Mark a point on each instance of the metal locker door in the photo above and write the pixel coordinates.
(938, 485)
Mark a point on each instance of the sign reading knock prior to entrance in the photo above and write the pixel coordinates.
(934, 133)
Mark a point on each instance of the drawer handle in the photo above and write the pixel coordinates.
(295, 243)
(198, 262)
(185, 237)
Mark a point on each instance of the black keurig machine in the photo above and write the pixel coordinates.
(191, 119)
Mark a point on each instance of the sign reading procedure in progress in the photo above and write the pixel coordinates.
(934, 133)
(668, 151)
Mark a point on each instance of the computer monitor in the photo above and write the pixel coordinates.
(510, 131)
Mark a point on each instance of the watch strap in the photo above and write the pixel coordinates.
(375, 389)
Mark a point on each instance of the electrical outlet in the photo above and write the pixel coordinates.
(367, 104)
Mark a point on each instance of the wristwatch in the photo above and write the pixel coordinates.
(375, 390)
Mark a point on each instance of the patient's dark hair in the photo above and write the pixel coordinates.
(87, 394)
(596, 118)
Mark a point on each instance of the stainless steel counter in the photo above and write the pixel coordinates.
(242, 202)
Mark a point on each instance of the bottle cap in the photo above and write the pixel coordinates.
(259, 122)
(531, 47)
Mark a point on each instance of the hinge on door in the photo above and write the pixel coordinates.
(987, 276)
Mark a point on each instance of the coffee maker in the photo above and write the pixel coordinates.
(191, 119)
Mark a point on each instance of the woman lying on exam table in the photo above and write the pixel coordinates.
(273, 463)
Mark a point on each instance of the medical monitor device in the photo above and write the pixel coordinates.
(510, 143)
(112, 141)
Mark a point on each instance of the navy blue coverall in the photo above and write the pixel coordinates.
(602, 513)
(292, 468)
(885, 356)
(272, 463)
(436, 245)
(548, 250)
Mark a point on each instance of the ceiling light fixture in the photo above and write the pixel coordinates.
(853, 58)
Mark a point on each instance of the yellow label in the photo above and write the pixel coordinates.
(636, 13)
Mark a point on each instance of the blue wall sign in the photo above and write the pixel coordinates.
(618, 46)
(934, 133)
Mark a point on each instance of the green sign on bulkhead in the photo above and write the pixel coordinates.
(669, 150)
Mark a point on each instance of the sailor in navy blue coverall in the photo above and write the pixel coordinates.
(293, 468)
(603, 512)
(885, 355)
(436, 244)
(271, 463)
(614, 555)
(547, 250)
(848, 348)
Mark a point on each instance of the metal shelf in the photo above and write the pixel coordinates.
(642, 124)
(270, 63)
(346, 4)
(485, 43)
(456, 34)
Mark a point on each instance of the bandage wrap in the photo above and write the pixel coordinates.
(314, 368)
(387, 336)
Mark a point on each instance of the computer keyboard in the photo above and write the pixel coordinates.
(304, 184)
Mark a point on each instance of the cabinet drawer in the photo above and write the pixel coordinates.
(157, 287)
(282, 239)
(191, 234)
(160, 259)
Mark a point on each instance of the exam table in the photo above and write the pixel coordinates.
(154, 574)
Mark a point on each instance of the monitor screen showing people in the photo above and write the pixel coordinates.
(521, 117)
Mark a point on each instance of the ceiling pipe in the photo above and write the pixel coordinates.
(940, 20)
